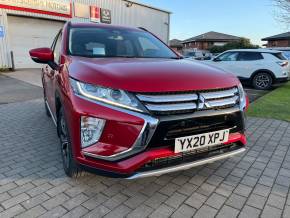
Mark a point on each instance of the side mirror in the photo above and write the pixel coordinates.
(43, 56)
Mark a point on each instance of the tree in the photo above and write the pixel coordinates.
(284, 10)
(242, 44)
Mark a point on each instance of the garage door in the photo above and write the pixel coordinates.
(27, 33)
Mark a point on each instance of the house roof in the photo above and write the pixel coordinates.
(212, 36)
(175, 43)
(279, 36)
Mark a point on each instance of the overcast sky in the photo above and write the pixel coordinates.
(253, 19)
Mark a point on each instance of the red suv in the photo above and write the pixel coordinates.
(126, 105)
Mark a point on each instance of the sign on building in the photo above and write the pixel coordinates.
(1, 31)
(106, 16)
(81, 10)
(95, 14)
(61, 7)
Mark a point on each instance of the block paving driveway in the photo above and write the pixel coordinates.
(33, 184)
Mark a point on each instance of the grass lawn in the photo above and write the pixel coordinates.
(274, 105)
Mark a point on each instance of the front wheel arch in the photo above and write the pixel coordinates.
(264, 71)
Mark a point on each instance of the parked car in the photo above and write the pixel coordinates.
(126, 105)
(259, 67)
(197, 55)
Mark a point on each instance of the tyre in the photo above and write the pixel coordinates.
(262, 81)
(69, 165)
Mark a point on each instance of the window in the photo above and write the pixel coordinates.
(250, 56)
(57, 47)
(287, 54)
(228, 56)
(279, 56)
(114, 42)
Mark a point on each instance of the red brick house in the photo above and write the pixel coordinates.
(176, 45)
(280, 40)
(207, 40)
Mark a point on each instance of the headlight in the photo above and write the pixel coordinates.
(113, 97)
(242, 94)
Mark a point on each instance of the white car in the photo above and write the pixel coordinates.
(261, 67)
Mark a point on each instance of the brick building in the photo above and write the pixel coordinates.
(280, 40)
(207, 40)
(176, 45)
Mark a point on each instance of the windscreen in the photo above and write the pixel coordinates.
(110, 42)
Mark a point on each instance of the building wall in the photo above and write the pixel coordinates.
(5, 60)
(198, 45)
(279, 43)
(154, 20)
(204, 45)
(177, 49)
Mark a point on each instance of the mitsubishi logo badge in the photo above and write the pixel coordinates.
(202, 104)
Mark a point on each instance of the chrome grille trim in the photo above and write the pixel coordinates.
(220, 94)
(224, 102)
(167, 98)
(171, 107)
(190, 101)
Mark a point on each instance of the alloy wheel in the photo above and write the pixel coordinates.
(263, 81)
(64, 142)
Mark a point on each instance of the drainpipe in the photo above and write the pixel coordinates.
(12, 61)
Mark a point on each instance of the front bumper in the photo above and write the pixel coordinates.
(282, 80)
(153, 139)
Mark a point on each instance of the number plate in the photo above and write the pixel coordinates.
(190, 143)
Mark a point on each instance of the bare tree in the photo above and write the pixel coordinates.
(283, 13)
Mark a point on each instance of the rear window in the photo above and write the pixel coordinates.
(250, 56)
(287, 54)
(279, 56)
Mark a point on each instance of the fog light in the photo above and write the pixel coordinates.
(91, 130)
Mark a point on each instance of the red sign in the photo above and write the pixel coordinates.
(95, 14)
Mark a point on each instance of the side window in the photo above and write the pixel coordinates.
(229, 56)
(57, 47)
(280, 56)
(250, 56)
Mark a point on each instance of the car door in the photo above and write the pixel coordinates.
(226, 61)
(248, 63)
(50, 73)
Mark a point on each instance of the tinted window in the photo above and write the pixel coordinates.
(228, 56)
(287, 54)
(279, 56)
(250, 56)
(111, 42)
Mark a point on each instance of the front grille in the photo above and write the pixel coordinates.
(191, 156)
(168, 130)
(188, 102)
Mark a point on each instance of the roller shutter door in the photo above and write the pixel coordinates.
(27, 33)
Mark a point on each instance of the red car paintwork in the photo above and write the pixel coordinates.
(131, 165)
(44, 54)
(135, 75)
(149, 75)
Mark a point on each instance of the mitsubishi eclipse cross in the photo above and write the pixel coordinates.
(126, 105)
